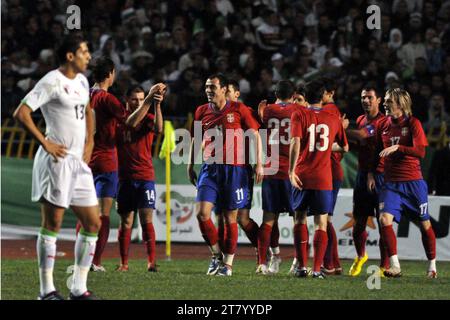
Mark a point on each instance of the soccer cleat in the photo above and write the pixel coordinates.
(151, 267)
(302, 272)
(274, 264)
(54, 295)
(122, 268)
(225, 271)
(214, 266)
(262, 269)
(381, 272)
(88, 295)
(432, 274)
(318, 275)
(97, 268)
(393, 272)
(293, 269)
(357, 265)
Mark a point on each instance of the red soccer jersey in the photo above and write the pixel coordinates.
(336, 157)
(225, 124)
(277, 120)
(408, 133)
(369, 145)
(317, 132)
(134, 148)
(108, 113)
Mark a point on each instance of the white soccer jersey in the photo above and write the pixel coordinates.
(63, 104)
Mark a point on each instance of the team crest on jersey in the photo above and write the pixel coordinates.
(66, 88)
(370, 129)
(230, 117)
(404, 131)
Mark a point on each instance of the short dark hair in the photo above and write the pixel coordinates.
(234, 84)
(134, 89)
(370, 88)
(314, 91)
(223, 81)
(329, 83)
(70, 43)
(103, 66)
(301, 90)
(285, 89)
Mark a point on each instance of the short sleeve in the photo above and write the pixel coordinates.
(297, 124)
(42, 93)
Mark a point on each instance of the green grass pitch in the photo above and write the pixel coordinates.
(186, 279)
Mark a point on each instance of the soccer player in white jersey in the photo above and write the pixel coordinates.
(61, 176)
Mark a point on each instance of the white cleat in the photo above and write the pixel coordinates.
(262, 269)
(293, 269)
(274, 264)
(432, 274)
(98, 268)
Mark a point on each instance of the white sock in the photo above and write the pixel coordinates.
(432, 265)
(46, 253)
(84, 254)
(215, 250)
(228, 259)
(295, 261)
(394, 261)
(275, 250)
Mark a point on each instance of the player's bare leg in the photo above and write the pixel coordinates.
(148, 235)
(51, 220)
(249, 226)
(429, 244)
(320, 243)
(84, 250)
(359, 240)
(124, 237)
(209, 234)
(390, 241)
(301, 238)
(105, 205)
(231, 230)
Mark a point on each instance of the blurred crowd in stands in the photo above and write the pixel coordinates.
(257, 43)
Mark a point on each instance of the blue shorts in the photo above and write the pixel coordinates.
(135, 194)
(251, 182)
(106, 184)
(277, 195)
(336, 187)
(409, 197)
(314, 201)
(226, 186)
(365, 203)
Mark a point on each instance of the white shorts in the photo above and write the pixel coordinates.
(68, 182)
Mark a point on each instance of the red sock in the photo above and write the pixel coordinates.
(263, 242)
(359, 239)
(103, 235)
(209, 231)
(331, 252)
(221, 234)
(320, 246)
(275, 236)
(124, 244)
(148, 235)
(390, 240)
(384, 256)
(429, 243)
(78, 227)
(251, 231)
(301, 243)
(232, 237)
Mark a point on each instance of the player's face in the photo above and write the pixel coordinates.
(232, 94)
(213, 91)
(370, 102)
(327, 96)
(135, 100)
(391, 107)
(299, 99)
(81, 58)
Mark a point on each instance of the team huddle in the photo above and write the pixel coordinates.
(96, 149)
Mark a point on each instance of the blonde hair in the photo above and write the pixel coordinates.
(402, 98)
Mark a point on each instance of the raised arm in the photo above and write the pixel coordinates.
(136, 117)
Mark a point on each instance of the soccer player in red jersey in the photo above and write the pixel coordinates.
(367, 189)
(313, 134)
(136, 191)
(223, 179)
(404, 191)
(276, 187)
(247, 224)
